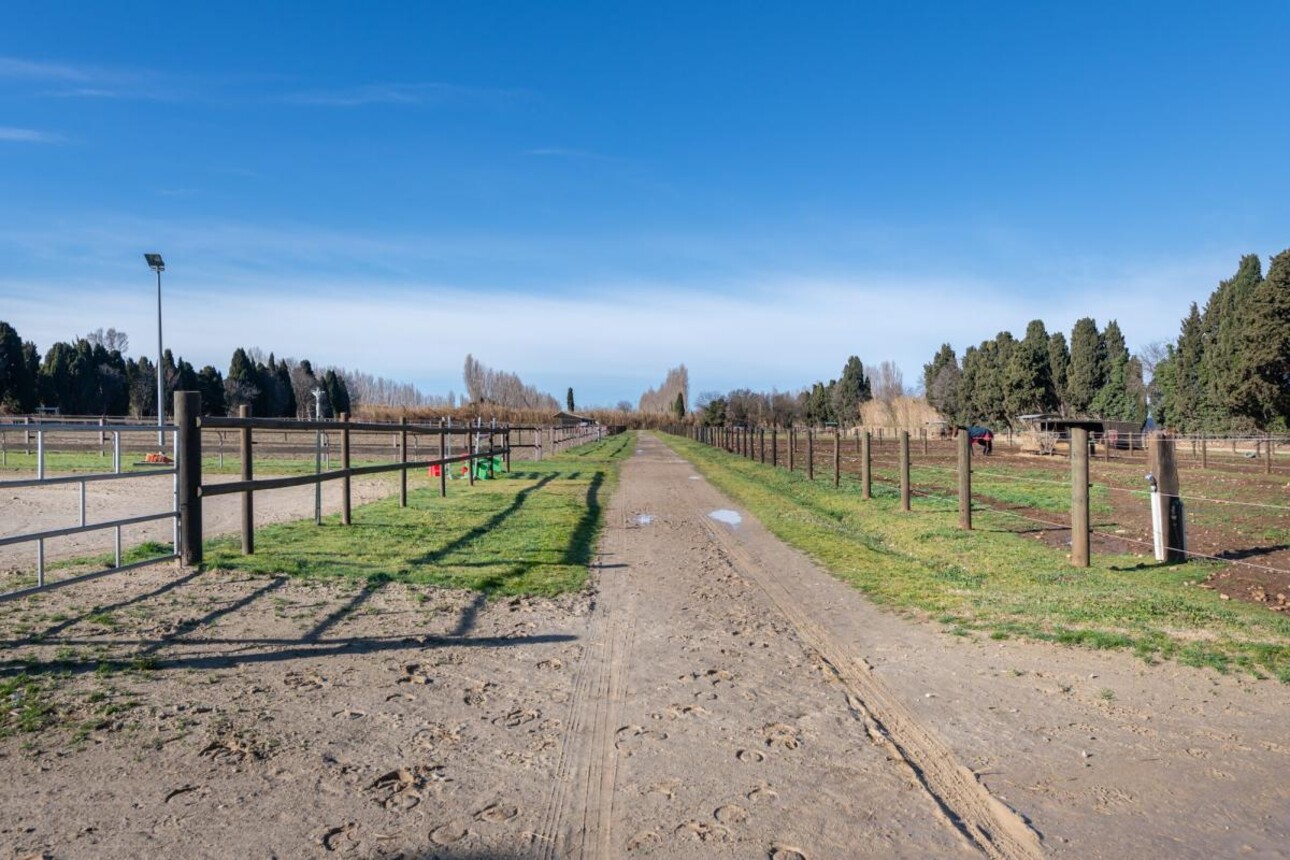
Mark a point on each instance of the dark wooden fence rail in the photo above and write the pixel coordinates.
(477, 442)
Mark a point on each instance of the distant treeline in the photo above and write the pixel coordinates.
(501, 388)
(92, 376)
(1229, 370)
(839, 401)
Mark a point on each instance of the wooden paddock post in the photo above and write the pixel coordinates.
(443, 465)
(904, 470)
(248, 498)
(837, 458)
(1204, 453)
(1079, 497)
(470, 459)
(965, 480)
(188, 405)
(1168, 513)
(924, 434)
(792, 447)
(345, 497)
(866, 465)
(403, 458)
(761, 443)
(774, 446)
(810, 454)
(1267, 469)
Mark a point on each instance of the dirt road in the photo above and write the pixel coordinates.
(716, 696)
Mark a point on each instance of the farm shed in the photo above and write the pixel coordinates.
(1049, 434)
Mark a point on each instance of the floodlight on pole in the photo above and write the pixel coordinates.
(158, 265)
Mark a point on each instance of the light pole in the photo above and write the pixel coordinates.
(158, 265)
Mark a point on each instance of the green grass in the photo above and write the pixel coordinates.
(532, 531)
(995, 582)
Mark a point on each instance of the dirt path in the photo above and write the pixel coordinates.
(716, 695)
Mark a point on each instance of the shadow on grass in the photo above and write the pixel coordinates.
(484, 528)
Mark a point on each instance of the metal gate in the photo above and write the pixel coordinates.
(42, 433)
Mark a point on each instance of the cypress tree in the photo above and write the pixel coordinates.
(942, 383)
(13, 370)
(568, 399)
(1189, 401)
(678, 408)
(1087, 366)
(1263, 392)
(1227, 317)
(851, 390)
(1113, 400)
(1059, 365)
(1028, 380)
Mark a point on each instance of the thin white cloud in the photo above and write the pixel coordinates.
(568, 152)
(13, 67)
(28, 135)
(420, 94)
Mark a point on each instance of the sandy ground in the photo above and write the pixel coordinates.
(714, 695)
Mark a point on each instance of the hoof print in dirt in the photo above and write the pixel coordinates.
(750, 756)
(412, 674)
(343, 838)
(634, 737)
(644, 839)
(496, 813)
(782, 736)
(731, 813)
(701, 831)
(784, 852)
(450, 833)
(517, 717)
(404, 788)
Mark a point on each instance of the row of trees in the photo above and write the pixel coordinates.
(500, 388)
(671, 398)
(92, 376)
(1094, 375)
(839, 401)
(1229, 370)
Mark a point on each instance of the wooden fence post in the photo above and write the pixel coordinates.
(866, 465)
(810, 454)
(443, 465)
(1271, 447)
(1163, 464)
(904, 470)
(248, 498)
(837, 458)
(188, 405)
(792, 447)
(1079, 497)
(924, 432)
(1204, 453)
(761, 444)
(965, 479)
(345, 498)
(774, 445)
(403, 458)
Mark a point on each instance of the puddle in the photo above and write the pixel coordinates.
(644, 519)
(695, 478)
(728, 517)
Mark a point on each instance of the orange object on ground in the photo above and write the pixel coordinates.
(435, 470)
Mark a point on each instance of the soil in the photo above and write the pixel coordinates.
(715, 694)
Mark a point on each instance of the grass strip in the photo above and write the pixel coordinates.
(530, 531)
(994, 581)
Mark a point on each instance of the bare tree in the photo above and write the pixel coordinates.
(110, 340)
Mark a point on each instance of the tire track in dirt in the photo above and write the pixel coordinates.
(578, 822)
(987, 822)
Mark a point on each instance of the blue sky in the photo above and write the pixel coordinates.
(587, 194)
